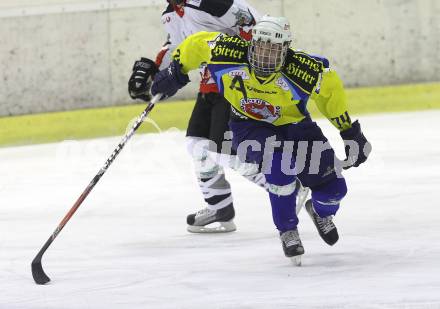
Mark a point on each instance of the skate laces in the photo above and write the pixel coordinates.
(325, 224)
(291, 238)
(205, 212)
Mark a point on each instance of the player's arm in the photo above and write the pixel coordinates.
(144, 69)
(163, 56)
(194, 50)
(332, 103)
(188, 56)
(238, 16)
(331, 100)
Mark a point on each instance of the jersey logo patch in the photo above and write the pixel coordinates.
(241, 73)
(243, 18)
(282, 84)
(260, 109)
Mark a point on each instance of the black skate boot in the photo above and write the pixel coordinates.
(212, 221)
(292, 246)
(326, 228)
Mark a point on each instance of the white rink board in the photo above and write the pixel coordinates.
(127, 246)
(44, 7)
(58, 55)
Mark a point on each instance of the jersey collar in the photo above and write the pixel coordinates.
(263, 80)
(179, 10)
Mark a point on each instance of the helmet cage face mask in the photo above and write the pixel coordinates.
(267, 58)
(271, 38)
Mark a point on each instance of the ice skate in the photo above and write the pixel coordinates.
(301, 196)
(212, 221)
(326, 228)
(292, 246)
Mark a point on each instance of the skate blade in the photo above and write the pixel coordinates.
(215, 227)
(301, 198)
(296, 260)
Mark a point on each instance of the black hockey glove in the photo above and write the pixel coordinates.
(357, 148)
(169, 80)
(140, 80)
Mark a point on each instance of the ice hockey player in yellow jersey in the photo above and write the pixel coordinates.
(268, 85)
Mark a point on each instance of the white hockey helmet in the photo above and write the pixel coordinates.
(271, 37)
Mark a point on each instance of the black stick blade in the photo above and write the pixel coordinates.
(38, 273)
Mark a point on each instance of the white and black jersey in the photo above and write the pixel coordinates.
(233, 17)
(211, 113)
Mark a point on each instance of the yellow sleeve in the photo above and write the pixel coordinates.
(195, 50)
(331, 100)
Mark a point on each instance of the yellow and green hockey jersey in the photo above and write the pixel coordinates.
(278, 99)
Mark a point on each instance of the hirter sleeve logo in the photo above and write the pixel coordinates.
(230, 49)
(302, 70)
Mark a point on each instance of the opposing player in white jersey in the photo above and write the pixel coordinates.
(208, 125)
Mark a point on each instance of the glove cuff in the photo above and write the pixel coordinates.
(145, 64)
(181, 78)
(352, 132)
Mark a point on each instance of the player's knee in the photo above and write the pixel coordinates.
(281, 190)
(204, 165)
(327, 197)
(198, 147)
(278, 182)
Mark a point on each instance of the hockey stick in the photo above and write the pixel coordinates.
(38, 273)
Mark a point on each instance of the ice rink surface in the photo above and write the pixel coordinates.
(127, 246)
